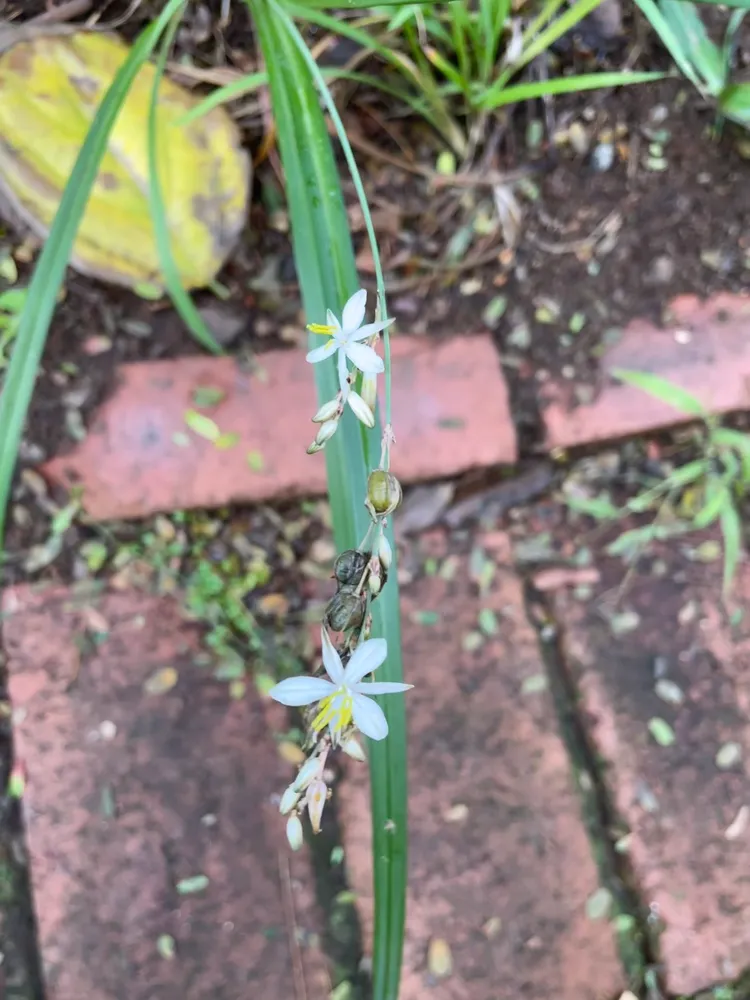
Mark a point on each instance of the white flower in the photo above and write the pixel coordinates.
(345, 338)
(343, 698)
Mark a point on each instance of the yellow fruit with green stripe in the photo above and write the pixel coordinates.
(50, 87)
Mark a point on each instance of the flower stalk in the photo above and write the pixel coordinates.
(339, 705)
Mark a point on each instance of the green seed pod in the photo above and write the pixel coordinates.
(349, 566)
(345, 610)
(383, 492)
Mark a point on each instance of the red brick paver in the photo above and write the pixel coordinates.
(500, 864)
(688, 817)
(130, 793)
(450, 409)
(705, 349)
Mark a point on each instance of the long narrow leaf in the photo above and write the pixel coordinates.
(50, 269)
(327, 274)
(180, 298)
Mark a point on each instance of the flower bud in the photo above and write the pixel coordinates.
(385, 552)
(294, 832)
(345, 610)
(309, 770)
(361, 410)
(353, 748)
(374, 581)
(349, 566)
(383, 492)
(289, 800)
(317, 794)
(314, 448)
(367, 629)
(370, 390)
(328, 411)
(327, 429)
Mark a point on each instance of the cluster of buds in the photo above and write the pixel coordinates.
(339, 702)
(330, 413)
(309, 790)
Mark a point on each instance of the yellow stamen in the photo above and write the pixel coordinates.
(323, 328)
(335, 710)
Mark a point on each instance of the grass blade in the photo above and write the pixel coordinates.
(542, 41)
(663, 390)
(562, 85)
(368, 4)
(731, 530)
(222, 95)
(653, 14)
(49, 272)
(327, 274)
(180, 298)
(687, 25)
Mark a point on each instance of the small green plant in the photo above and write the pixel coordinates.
(693, 496)
(215, 595)
(454, 63)
(175, 554)
(707, 65)
(46, 552)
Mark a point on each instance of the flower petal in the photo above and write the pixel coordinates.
(370, 329)
(367, 657)
(321, 353)
(332, 320)
(364, 358)
(380, 687)
(354, 311)
(302, 690)
(331, 659)
(343, 374)
(360, 408)
(369, 718)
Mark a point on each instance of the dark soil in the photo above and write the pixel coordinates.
(683, 229)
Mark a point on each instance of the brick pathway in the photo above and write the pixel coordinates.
(704, 347)
(131, 793)
(687, 808)
(500, 865)
(134, 798)
(450, 406)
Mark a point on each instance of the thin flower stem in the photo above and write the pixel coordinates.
(358, 186)
(365, 540)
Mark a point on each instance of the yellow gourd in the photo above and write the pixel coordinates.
(50, 87)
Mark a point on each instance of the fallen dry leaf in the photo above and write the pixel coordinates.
(565, 576)
(161, 681)
(439, 958)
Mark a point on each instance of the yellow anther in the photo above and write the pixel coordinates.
(325, 328)
(335, 711)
